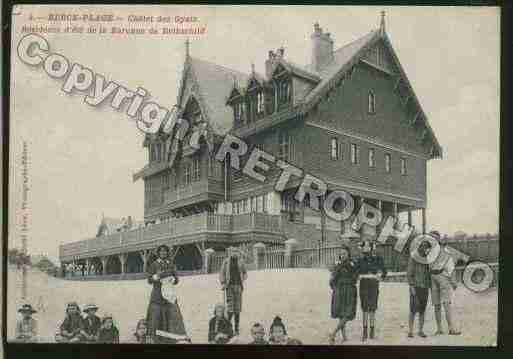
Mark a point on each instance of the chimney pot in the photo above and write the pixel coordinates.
(322, 48)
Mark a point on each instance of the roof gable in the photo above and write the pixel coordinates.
(214, 84)
(362, 50)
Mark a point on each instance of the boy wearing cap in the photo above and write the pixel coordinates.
(369, 267)
(26, 327)
(442, 286)
(419, 281)
(91, 324)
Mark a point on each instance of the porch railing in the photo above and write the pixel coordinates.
(144, 238)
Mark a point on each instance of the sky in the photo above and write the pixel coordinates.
(81, 159)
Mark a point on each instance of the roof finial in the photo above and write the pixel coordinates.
(382, 24)
(253, 68)
(187, 45)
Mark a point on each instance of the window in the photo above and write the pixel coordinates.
(186, 174)
(387, 162)
(284, 92)
(237, 111)
(354, 153)
(403, 166)
(259, 204)
(195, 175)
(371, 157)
(165, 181)
(260, 103)
(153, 155)
(284, 146)
(334, 149)
(158, 149)
(372, 103)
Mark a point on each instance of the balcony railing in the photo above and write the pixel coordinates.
(193, 189)
(205, 189)
(174, 230)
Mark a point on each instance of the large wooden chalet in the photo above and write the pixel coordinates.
(349, 117)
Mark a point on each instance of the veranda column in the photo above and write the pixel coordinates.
(409, 218)
(423, 221)
(206, 259)
(144, 256)
(122, 259)
(104, 264)
(88, 266)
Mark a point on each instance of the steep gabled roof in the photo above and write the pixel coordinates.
(343, 59)
(214, 85)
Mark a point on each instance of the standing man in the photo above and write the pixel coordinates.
(419, 280)
(232, 276)
(442, 286)
(369, 267)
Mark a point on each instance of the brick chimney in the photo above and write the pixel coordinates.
(322, 48)
(269, 63)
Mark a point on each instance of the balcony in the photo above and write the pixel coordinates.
(207, 189)
(176, 231)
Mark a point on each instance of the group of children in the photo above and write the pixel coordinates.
(89, 328)
(220, 331)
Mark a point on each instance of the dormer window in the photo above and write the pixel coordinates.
(371, 103)
(284, 92)
(260, 102)
(237, 111)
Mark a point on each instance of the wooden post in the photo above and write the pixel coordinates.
(409, 217)
(104, 265)
(423, 221)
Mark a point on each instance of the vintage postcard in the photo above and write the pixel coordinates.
(268, 175)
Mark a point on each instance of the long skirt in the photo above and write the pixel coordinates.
(165, 316)
(343, 302)
(233, 296)
(369, 292)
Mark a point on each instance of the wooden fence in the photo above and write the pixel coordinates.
(485, 249)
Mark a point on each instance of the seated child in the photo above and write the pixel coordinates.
(141, 335)
(26, 327)
(108, 332)
(258, 334)
(278, 334)
(219, 328)
(69, 331)
(90, 325)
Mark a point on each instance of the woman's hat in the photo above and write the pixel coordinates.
(72, 304)
(26, 308)
(90, 307)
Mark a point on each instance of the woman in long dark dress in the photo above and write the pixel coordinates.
(163, 313)
(343, 300)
